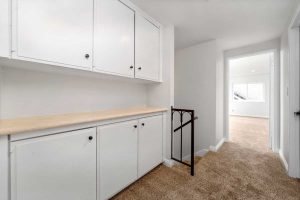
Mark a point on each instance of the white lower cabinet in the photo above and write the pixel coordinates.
(60, 167)
(86, 164)
(117, 156)
(150, 144)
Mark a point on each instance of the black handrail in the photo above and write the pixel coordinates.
(193, 118)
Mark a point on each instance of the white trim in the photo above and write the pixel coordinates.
(169, 162)
(218, 146)
(254, 116)
(257, 49)
(200, 153)
(283, 160)
(294, 146)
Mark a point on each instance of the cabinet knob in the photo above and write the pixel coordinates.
(131, 67)
(87, 56)
(135, 126)
(139, 68)
(90, 137)
(143, 124)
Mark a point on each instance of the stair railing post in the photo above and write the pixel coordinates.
(192, 144)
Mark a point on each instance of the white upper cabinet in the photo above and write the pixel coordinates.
(114, 38)
(147, 49)
(108, 36)
(4, 28)
(55, 167)
(54, 32)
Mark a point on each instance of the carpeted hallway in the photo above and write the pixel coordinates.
(242, 169)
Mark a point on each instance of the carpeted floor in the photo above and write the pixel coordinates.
(242, 169)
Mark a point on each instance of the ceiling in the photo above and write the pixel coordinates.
(233, 23)
(251, 65)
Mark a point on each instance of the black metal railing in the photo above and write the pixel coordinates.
(180, 128)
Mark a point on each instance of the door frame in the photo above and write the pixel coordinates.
(274, 133)
(293, 122)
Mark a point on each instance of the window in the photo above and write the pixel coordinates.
(248, 92)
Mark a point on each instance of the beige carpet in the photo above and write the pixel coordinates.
(242, 169)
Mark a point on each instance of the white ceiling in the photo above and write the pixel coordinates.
(251, 65)
(233, 22)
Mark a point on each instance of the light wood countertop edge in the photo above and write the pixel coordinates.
(28, 124)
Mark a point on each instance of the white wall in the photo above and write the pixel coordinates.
(252, 109)
(28, 93)
(195, 88)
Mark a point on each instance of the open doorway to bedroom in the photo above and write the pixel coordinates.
(250, 99)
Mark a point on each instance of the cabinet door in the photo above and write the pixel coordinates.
(55, 32)
(150, 144)
(117, 157)
(114, 38)
(60, 167)
(147, 49)
(4, 29)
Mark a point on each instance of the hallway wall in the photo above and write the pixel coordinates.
(195, 88)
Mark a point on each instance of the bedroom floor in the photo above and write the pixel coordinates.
(243, 168)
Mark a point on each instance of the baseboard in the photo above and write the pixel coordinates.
(254, 116)
(218, 146)
(169, 162)
(283, 160)
(200, 153)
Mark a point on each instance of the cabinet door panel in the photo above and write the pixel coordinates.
(4, 28)
(114, 38)
(56, 31)
(147, 49)
(59, 167)
(150, 144)
(117, 157)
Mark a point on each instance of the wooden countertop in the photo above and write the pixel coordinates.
(14, 126)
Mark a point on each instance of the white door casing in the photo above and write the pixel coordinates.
(294, 105)
(274, 130)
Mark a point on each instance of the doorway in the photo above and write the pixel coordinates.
(251, 92)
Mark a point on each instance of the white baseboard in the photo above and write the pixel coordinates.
(218, 146)
(200, 153)
(283, 160)
(169, 162)
(254, 116)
